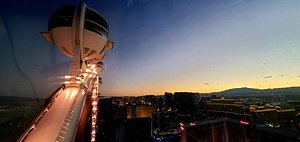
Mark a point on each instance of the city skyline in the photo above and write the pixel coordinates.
(228, 70)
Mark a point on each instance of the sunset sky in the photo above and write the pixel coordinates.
(165, 45)
(203, 46)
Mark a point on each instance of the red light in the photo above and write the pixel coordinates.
(181, 128)
(244, 122)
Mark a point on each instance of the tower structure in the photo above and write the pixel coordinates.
(80, 33)
(83, 35)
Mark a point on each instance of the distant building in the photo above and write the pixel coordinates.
(222, 107)
(272, 115)
(186, 102)
(164, 120)
(131, 101)
(112, 108)
(150, 100)
(139, 111)
(203, 103)
(105, 109)
(287, 118)
(119, 109)
(117, 101)
(168, 101)
(294, 104)
(265, 114)
(159, 103)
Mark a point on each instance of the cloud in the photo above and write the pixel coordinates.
(268, 76)
(206, 83)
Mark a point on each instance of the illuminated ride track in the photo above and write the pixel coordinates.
(82, 34)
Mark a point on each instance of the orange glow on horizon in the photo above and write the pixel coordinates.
(160, 89)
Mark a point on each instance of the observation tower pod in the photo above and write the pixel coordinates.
(80, 33)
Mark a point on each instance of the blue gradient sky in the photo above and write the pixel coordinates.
(163, 45)
(204, 46)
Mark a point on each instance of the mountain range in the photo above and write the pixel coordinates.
(253, 91)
